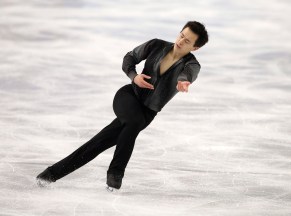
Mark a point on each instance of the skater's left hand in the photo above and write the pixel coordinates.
(182, 86)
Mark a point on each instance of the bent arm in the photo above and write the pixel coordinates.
(134, 57)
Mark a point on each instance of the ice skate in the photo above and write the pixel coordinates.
(110, 189)
(114, 182)
(45, 178)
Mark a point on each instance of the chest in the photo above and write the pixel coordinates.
(166, 63)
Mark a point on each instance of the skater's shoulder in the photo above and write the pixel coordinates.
(159, 42)
(162, 42)
(192, 59)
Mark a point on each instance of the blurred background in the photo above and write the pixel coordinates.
(223, 148)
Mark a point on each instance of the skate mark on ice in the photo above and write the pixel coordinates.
(13, 170)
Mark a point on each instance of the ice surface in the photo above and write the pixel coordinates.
(224, 148)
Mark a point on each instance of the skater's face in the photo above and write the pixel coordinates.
(185, 41)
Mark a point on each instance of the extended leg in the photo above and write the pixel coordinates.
(105, 139)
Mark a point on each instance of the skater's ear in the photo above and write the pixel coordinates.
(195, 48)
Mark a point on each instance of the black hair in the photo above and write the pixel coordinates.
(199, 29)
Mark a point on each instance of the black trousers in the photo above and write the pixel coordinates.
(132, 117)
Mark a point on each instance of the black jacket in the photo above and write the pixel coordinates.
(186, 69)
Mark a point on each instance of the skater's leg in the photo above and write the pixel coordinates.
(135, 117)
(105, 139)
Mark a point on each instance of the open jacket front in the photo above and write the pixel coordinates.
(186, 69)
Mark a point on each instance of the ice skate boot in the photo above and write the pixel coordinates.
(45, 178)
(114, 181)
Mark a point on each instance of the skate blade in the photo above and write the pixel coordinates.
(42, 183)
(110, 189)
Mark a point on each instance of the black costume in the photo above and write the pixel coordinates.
(134, 107)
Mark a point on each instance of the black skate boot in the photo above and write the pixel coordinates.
(114, 181)
(45, 178)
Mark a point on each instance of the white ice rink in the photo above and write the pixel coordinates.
(222, 149)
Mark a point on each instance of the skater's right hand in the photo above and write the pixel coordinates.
(139, 80)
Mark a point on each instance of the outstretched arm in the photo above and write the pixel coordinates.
(187, 76)
(182, 86)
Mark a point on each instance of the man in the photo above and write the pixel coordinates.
(169, 68)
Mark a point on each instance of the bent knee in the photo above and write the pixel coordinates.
(136, 123)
